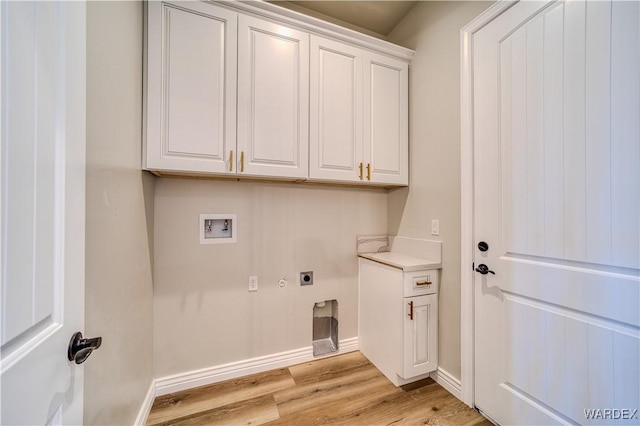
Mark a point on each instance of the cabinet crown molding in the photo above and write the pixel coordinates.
(317, 26)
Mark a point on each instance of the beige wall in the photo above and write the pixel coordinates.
(432, 28)
(119, 301)
(203, 314)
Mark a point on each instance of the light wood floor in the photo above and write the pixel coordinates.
(345, 389)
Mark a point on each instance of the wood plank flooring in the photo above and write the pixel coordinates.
(341, 390)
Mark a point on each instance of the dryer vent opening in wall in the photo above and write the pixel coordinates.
(325, 327)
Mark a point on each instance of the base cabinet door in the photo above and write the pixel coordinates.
(420, 335)
(273, 99)
(191, 87)
(386, 112)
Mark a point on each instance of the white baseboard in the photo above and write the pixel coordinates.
(145, 408)
(447, 381)
(218, 373)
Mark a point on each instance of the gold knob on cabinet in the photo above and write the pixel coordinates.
(360, 171)
(231, 161)
(241, 161)
(368, 171)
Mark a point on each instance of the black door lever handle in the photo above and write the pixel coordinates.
(484, 269)
(80, 349)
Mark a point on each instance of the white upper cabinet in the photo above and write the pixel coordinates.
(386, 122)
(335, 142)
(359, 115)
(273, 99)
(243, 89)
(191, 87)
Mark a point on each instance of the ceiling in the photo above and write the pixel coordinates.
(376, 18)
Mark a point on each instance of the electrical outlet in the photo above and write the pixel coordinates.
(253, 283)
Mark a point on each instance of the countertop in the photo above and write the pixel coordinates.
(401, 261)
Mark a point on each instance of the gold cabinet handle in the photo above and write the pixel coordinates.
(411, 310)
(241, 161)
(231, 161)
(368, 171)
(360, 171)
(423, 282)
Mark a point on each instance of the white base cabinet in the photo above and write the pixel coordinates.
(398, 320)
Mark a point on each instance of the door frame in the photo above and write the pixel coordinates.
(467, 334)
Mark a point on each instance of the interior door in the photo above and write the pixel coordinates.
(556, 202)
(42, 223)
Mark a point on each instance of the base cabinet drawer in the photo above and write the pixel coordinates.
(420, 283)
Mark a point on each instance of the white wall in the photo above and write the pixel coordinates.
(432, 29)
(119, 301)
(203, 314)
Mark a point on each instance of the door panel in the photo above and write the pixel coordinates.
(625, 133)
(420, 336)
(335, 110)
(273, 94)
(574, 190)
(553, 126)
(43, 192)
(535, 178)
(195, 84)
(386, 119)
(560, 319)
(191, 95)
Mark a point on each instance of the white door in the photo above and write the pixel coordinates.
(335, 141)
(273, 99)
(43, 184)
(556, 199)
(191, 87)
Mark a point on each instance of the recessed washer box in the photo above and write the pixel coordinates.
(218, 228)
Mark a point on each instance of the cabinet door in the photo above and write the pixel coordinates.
(191, 87)
(335, 111)
(386, 143)
(273, 99)
(420, 335)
